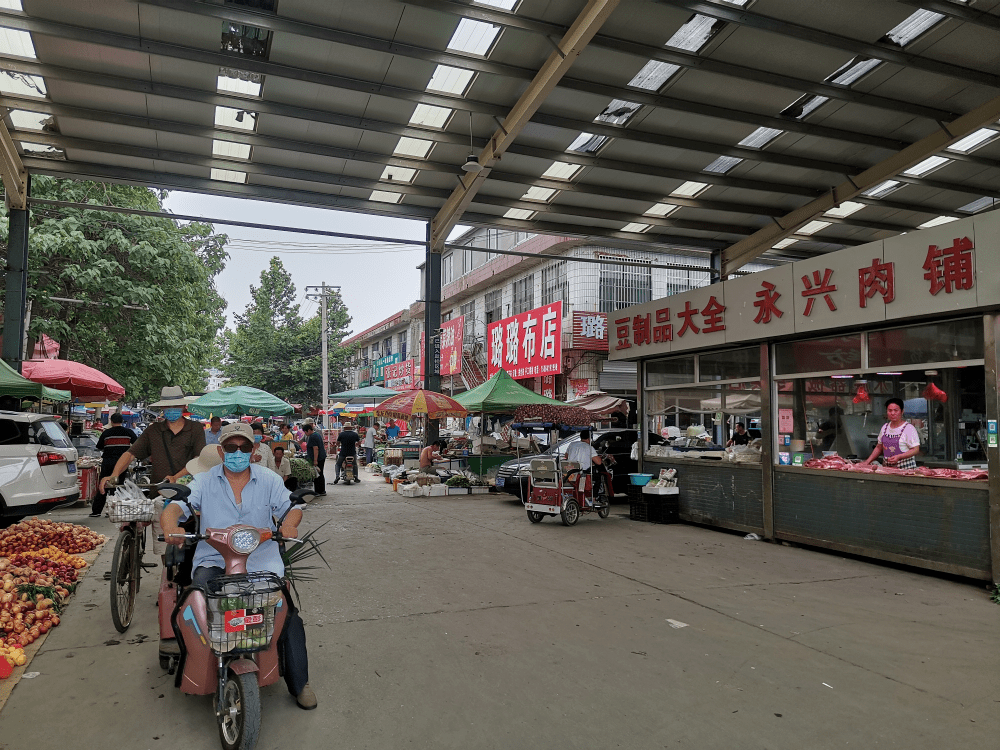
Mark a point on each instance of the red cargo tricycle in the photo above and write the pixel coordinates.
(562, 488)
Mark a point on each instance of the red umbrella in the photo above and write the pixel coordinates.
(411, 403)
(79, 379)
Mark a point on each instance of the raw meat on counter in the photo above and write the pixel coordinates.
(836, 463)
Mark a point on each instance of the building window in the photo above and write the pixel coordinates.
(523, 297)
(447, 269)
(402, 346)
(387, 346)
(554, 285)
(364, 354)
(469, 330)
(494, 306)
(623, 286)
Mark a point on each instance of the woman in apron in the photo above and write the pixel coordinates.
(898, 441)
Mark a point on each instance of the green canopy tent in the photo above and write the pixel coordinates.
(240, 400)
(501, 394)
(372, 393)
(13, 384)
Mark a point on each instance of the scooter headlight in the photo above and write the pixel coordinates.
(244, 541)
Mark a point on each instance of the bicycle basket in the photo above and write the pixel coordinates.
(241, 610)
(125, 508)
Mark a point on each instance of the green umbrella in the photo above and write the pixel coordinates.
(239, 399)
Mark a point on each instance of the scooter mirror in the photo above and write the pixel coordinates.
(174, 491)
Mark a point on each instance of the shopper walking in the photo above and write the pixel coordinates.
(316, 452)
(113, 442)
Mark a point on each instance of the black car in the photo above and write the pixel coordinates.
(512, 476)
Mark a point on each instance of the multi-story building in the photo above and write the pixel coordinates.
(215, 380)
(384, 343)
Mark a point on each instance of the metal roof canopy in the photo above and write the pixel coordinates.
(132, 90)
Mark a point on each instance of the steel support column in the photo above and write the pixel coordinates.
(15, 303)
(767, 432)
(432, 324)
(991, 335)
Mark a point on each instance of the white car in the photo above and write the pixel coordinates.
(37, 465)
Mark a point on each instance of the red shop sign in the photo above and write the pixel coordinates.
(528, 345)
(452, 333)
(399, 376)
(590, 331)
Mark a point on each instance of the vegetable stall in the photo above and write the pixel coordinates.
(40, 567)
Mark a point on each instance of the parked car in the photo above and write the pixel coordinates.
(512, 476)
(37, 465)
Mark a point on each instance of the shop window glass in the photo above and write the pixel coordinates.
(673, 371)
(700, 410)
(939, 342)
(731, 365)
(818, 355)
(844, 415)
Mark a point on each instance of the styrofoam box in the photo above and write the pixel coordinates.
(649, 490)
(410, 490)
(437, 490)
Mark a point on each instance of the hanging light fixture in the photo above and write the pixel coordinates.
(471, 161)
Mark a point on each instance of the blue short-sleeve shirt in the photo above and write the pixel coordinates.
(265, 496)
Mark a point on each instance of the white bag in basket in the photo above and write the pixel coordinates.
(129, 503)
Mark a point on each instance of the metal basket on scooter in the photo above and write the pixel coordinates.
(241, 610)
(128, 509)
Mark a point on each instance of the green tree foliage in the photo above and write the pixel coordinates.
(110, 261)
(275, 350)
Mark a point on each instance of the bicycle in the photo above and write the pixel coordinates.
(133, 517)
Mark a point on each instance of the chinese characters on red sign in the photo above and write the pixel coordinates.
(452, 332)
(399, 377)
(590, 331)
(947, 270)
(528, 345)
(549, 386)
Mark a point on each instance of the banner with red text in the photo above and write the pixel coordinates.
(400, 376)
(528, 345)
(452, 332)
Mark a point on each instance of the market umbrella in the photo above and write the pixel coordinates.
(77, 378)
(12, 384)
(371, 392)
(239, 399)
(501, 394)
(413, 403)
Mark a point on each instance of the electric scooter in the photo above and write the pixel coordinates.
(347, 470)
(228, 632)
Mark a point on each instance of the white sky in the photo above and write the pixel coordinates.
(373, 286)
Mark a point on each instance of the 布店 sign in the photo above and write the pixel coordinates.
(952, 268)
(528, 345)
(399, 376)
(379, 365)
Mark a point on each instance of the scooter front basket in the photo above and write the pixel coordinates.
(241, 610)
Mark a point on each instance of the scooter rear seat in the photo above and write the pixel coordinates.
(543, 472)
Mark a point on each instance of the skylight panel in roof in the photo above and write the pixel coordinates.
(653, 75)
(42, 150)
(536, 193)
(474, 37)
(761, 137)
(938, 221)
(231, 150)
(661, 209)
(24, 120)
(398, 174)
(978, 205)
(782, 244)
(813, 226)
(690, 189)
(229, 175)
(618, 112)
(853, 70)
(695, 33)
(883, 189)
(519, 213)
(633, 227)
(912, 27)
(16, 43)
(927, 165)
(804, 105)
(449, 80)
(238, 119)
(430, 116)
(588, 143)
(561, 170)
(244, 40)
(501, 4)
(413, 147)
(845, 209)
(22, 84)
(385, 197)
(239, 82)
(11, 5)
(973, 141)
(723, 164)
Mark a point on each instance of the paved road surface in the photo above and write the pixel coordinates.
(454, 623)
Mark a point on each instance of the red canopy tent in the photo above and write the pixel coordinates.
(77, 378)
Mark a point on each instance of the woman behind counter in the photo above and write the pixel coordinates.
(898, 441)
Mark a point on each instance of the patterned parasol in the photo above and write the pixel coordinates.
(412, 403)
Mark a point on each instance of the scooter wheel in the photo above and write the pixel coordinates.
(239, 721)
(164, 662)
(534, 516)
(570, 513)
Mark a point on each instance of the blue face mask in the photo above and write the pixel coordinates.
(172, 415)
(256, 438)
(236, 462)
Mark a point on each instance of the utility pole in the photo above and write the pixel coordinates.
(322, 294)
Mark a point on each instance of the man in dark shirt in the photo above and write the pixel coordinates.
(114, 441)
(740, 437)
(348, 440)
(316, 452)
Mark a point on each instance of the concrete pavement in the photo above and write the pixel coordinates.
(454, 622)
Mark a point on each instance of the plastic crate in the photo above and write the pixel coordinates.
(241, 611)
(638, 510)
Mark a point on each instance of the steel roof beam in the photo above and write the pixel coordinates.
(274, 22)
(961, 12)
(747, 250)
(886, 52)
(15, 177)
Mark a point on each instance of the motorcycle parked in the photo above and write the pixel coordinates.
(347, 472)
(228, 632)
